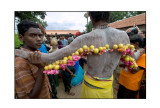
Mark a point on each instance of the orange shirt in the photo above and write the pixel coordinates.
(25, 77)
(131, 81)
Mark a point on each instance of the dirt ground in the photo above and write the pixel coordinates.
(77, 90)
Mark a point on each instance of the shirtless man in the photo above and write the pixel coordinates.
(98, 78)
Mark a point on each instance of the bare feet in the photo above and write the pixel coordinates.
(71, 93)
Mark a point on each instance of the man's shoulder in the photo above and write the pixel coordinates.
(20, 60)
(21, 64)
(116, 30)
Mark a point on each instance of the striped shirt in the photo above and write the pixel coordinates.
(25, 78)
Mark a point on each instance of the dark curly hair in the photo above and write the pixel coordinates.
(137, 38)
(99, 15)
(24, 25)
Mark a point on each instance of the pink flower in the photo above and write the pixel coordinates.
(122, 59)
(56, 72)
(123, 53)
(62, 66)
(49, 72)
(86, 50)
(111, 50)
(103, 50)
(126, 63)
(129, 68)
(131, 63)
(45, 71)
(129, 52)
(52, 72)
(76, 58)
(70, 63)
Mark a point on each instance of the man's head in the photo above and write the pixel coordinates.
(99, 16)
(70, 39)
(137, 41)
(54, 42)
(143, 33)
(134, 30)
(62, 37)
(30, 34)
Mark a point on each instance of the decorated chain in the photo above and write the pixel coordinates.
(125, 50)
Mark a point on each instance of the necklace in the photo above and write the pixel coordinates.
(101, 26)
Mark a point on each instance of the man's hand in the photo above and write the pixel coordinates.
(71, 74)
(35, 58)
(133, 71)
(142, 52)
(122, 65)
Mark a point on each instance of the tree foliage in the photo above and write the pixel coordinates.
(36, 16)
(89, 27)
(17, 41)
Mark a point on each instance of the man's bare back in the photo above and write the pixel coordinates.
(104, 65)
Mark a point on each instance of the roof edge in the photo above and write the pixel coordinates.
(127, 18)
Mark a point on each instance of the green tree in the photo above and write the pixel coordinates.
(17, 41)
(36, 16)
(87, 26)
(90, 26)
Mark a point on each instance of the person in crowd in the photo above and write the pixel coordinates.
(142, 90)
(78, 74)
(116, 74)
(98, 78)
(82, 61)
(43, 49)
(30, 82)
(64, 41)
(54, 45)
(143, 33)
(129, 81)
(67, 77)
(60, 45)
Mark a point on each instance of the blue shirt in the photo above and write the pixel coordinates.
(64, 42)
(43, 49)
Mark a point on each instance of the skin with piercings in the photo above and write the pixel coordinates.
(101, 66)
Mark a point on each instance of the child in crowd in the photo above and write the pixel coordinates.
(82, 61)
(67, 77)
(130, 80)
(78, 74)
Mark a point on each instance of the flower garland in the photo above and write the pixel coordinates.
(125, 50)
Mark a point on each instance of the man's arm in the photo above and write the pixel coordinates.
(24, 79)
(68, 70)
(59, 54)
(40, 76)
(38, 84)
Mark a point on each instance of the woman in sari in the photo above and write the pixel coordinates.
(78, 75)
